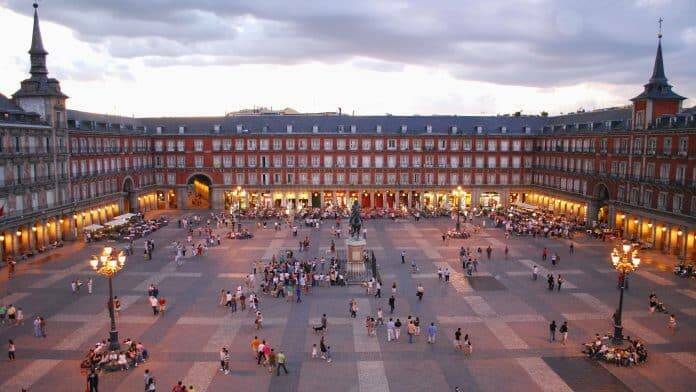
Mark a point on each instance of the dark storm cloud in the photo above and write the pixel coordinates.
(519, 42)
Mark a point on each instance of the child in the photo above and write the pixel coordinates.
(314, 351)
(11, 350)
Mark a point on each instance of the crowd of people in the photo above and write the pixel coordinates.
(600, 349)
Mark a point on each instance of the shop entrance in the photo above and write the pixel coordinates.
(198, 191)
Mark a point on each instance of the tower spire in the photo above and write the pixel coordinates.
(658, 74)
(37, 53)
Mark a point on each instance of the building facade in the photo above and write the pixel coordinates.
(61, 170)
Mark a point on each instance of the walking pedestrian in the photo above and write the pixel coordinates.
(571, 248)
(392, 304)
(535, 272)
(549, 280)
(11, 348)
(552, 331)
(93, 381)
(420, 291)
(458, 339)
(411, 331)
(281, 359)
(390, 330)
(559, 282)
(403, 257)
(564, 332)
(397, 329)
(432, 331)
(378, 287)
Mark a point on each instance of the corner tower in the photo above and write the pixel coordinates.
(41, 94)
(657, 98)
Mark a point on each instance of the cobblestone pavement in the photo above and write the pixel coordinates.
(504, 311)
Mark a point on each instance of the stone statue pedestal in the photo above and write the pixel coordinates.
(354, 254)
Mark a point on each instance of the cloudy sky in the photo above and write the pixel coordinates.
(205, 57)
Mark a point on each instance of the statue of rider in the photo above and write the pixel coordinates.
(355, 220)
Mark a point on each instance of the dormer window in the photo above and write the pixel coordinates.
(158, 130)
(429, 128)
(341, 128)
(288, 128)
(379, 129)
(315, 129)
(216, 128)
(503, 129)
(353, 128)
(404, 129)
(239, 128)
(527, 130)
(479, 129)
(453, 129)
(182, 129)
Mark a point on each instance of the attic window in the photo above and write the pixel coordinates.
(527, 130)
(288, 128)
(404, 129)
(353, 128)
(239, 128)
(379, 129)
(182, 129)
(429, 128)
(503, 129)
(479, 129)
(341, 128)
(216, 128)
(453, 129)
(315, 129)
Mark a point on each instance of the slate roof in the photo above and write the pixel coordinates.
(7, 106)
(657, 87)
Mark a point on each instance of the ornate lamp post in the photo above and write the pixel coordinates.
(107, 264)
(625, 260)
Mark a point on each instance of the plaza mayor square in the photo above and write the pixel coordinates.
(361, 196)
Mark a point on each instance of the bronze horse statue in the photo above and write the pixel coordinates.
(355, 220)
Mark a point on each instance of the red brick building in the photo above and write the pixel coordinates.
(631, 167)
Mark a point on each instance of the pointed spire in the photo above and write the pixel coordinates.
(37, 53)
(658, 74)
(657, 87)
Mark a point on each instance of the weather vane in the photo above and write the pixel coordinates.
(659, 21)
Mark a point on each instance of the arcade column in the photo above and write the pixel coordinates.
(218, 202)
(475, 197)
(181, 198)
(505, 198)
(592, 212)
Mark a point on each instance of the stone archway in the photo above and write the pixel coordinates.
(600, 204)
(199, 191)
(129, 204)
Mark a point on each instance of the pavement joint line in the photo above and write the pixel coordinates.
(372, 377)
(506, 335)
(361, 342)
(60, 275)
(29, 375)
(689, 293)
(686, 359)
(636, 329)
(201, 375)
(457, 279)
(223, 336)
(13, 298)
(203, 320)
(92, 326)
(480, 306)
(594, 303)
(233, 275)
(654, 278)
(546, 379)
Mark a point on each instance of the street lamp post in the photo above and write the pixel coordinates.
(625, 260)
(107, 264)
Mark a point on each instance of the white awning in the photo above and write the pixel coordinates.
(92, 227)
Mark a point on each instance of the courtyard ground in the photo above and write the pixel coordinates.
(500, 307)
